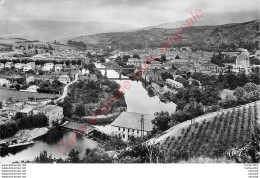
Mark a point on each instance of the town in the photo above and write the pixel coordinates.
(136, 105)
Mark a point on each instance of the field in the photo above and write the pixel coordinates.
(213, 138)
(22, 96)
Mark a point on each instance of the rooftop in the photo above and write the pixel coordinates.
(132, 120)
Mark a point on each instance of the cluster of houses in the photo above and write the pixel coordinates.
(53, 112)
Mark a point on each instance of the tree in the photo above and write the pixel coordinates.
(230, 101)
(243, 79)
(67, 108)
(136, 56)
(254, 95)
(102, 60)
(79, 62)
(161, 121)
(166, 75)
(114, 143)
(44, 158)
(239, 92)
(250, 87)
(1, 104)
(163, 58)
(194, 109)
(73, 157)
(177, 57)
(80, 110)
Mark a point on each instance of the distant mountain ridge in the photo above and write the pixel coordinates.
(233, 35)
(55, 30)
(212, 19)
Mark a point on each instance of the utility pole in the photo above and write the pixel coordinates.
(142, 125)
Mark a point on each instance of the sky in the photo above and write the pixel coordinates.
(138, 13)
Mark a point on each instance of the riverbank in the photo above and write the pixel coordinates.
(23, 136)
(101, 119)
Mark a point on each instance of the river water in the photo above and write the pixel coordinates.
(137, 100)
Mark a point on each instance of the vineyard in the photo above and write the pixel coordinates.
(214, 137)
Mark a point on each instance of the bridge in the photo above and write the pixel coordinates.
(118, 69)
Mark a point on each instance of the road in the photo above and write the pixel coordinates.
(65, 91)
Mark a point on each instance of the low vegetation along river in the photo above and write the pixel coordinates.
(137, 100)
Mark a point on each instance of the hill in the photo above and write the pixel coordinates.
(233, 35)
(55, 30)
(212, 135)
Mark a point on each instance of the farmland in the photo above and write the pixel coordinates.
(23, 96)
(213, 137)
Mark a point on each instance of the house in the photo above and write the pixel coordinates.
(29, 66)
(129, 124)
(40, 51)
(19, 65)
(30, 79)
(52, 112)
(58, 67)
(48, 66)
(134, 61)
(9, 65)
(242, 60)
(84, 71)
(173, 84)
(64, 79)
(4, 81)
(2, 66)
(28, 111)
(32, 89)
(89, 77)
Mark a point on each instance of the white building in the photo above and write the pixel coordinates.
(30, 79)
(64, 79)
(128, 124)
(9, 64)
(19, 65)
(2, 66)
(32, 89)
(48, 66)
(29, 66)
(58, 67)
(4, 81)
(173, 83)
(243, 60)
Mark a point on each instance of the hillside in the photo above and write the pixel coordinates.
(56, 30)
(211, 135)
(233, 35)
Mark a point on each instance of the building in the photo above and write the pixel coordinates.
(9, 65)
(30, 79)
(58, 67)
(29, 66)
(4, 81)
(129, 124)
(64, 79)
(242, 60)
(88, 77)
(19, 65)
(48, 66)
(135, 62)
(173, 84)
(52, 112)
(32, 89)
(2, 66)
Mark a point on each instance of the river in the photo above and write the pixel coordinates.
(137, 100)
